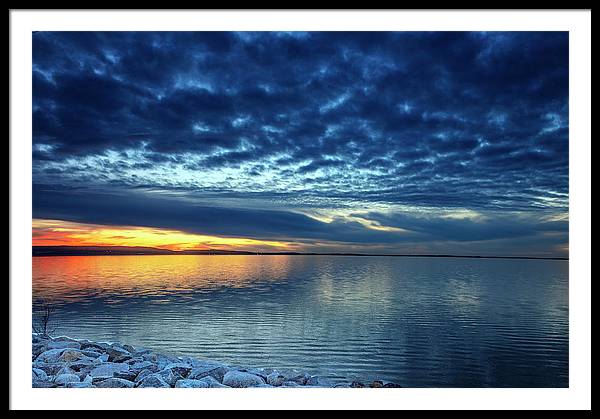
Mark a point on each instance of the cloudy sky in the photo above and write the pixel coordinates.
(375, 142)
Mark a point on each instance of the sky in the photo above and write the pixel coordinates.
(370, 142)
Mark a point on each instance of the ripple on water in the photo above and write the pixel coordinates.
(419, 322)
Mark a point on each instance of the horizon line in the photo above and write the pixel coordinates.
(216, 252)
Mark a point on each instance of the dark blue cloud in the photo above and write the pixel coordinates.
(318, 120)
(467, 229)
(136, 209)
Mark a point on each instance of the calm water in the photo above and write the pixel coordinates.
(421, 322)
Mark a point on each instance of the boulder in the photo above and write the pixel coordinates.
(49, 369)
(129, 348)
(290, 384)
(169, 376)
(376, 384)
(50, 356)
(42, 384)
(275, 379)
(241, 379)
(191, 384)
(139, 366)
(216, 371)
(163, 361)
(115, 383)
(118, 354)
(179, 368)
(101, 359)
(63, 379)
(97, 347)
(65, 370)
(83, 374)
(79, 385)
(63, 344)
(212, 382)
(153, 380)
(142, 374)
(126, 375)
(261, 372)
(108, 369)
(38, 348)
(356, 384)
(39, 374)
(91, 354)
(191, 361)
(301, 378)
(150, 356)
(70, 355)
(81, 365)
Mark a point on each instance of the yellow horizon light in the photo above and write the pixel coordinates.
(57, 232)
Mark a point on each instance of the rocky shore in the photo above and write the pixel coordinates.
(79, 363)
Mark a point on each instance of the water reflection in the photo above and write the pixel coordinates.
(433, 322)
(78, 278)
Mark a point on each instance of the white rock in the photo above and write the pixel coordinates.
(101, 359)
(216, 371)
(117, 354)
(42, 384)
(49, 369)
(241, 379)
(115, 383)
(108, 369)
(143, 374)
(298, 378)
(153, 380)
(79, 385)
(211, 382)
(170, 376)
(129, 348)
(138, 366)
(51, 356)
(39, 374)
(66, 378)
(92, 354)
(191, 384)
(179, 368)
(65, 370)
(275, 379)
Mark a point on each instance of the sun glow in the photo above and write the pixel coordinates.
(65, 233)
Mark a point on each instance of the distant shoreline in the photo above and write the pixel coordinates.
(43, 251)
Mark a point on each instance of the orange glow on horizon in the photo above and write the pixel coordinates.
(66, 233)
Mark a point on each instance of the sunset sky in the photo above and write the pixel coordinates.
(374, 142)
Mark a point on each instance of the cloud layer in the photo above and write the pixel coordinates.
(326, 135)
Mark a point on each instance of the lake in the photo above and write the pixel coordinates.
(420, 322)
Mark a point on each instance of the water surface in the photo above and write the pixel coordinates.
(421, 322)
